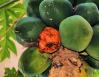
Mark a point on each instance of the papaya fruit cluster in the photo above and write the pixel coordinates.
(73, 24)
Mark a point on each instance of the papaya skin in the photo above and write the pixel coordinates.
(32, 62)
(92, 62)
(33, 8)
(95, 1)
(75, 33)
(89, 11)
(27, 30)
(93, 47)
(53, 12)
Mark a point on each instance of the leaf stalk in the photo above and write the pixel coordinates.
(7, 3)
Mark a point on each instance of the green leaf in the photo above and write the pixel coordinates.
(3, 54)
(12, 73)
(9, 14)
(12, 15)
(3, 1)
(12, 34)
(12, 46)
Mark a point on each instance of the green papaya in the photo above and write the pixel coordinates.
(84, 1)
(33, 8)
(54, 11)
(89, 11)
(44, 74)
(91, 72)
(93, 47)
(96, 2)
(92, 62)
(27, 30)
(75, 33)
(32, 62)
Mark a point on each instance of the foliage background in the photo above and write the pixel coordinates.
(10, 12)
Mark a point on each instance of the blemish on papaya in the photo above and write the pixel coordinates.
(49, 40)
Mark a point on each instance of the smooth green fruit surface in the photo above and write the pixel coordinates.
(89, 11)
(75, 33)
(33, 8)
(54, 11)
(93, 48)
(32, 62)
(27, 30)
(96, 2)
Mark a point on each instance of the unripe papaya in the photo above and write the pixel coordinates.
(89, 11)
(27, 30)
(33, 8)
(93, 47)
(96, 2)
(92, 62)
(75, 33)
(54, 11)
(32, 62)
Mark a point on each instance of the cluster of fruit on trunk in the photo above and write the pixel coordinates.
(57, 33)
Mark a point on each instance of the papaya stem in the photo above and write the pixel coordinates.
(7, 3)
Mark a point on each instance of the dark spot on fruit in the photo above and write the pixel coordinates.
(49, 45)
(49, 40)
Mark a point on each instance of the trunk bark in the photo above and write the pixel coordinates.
(65, 63)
